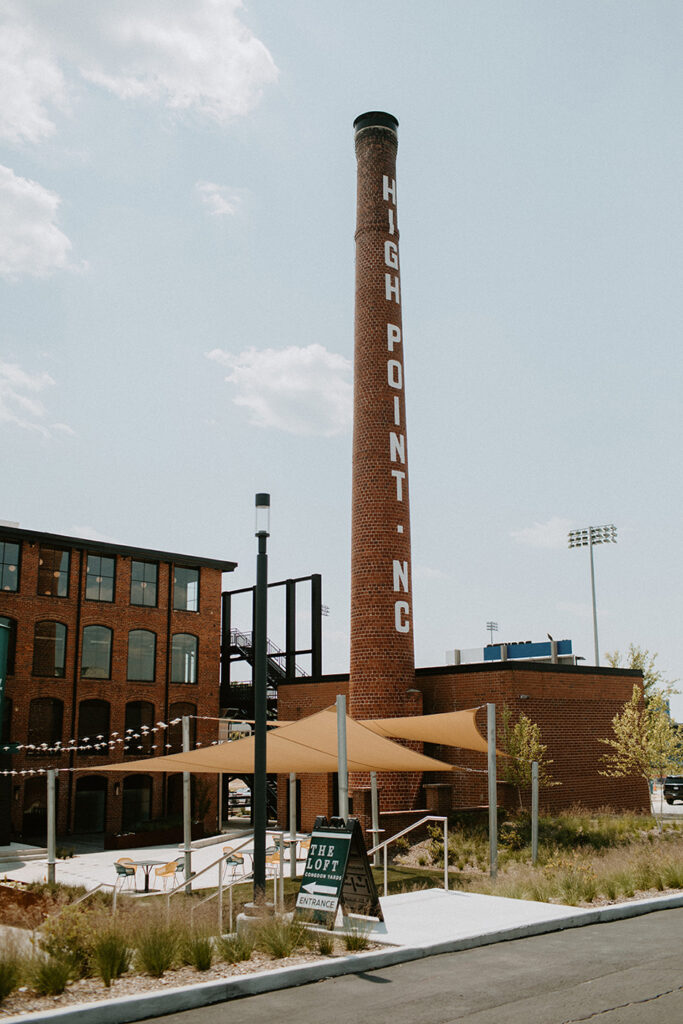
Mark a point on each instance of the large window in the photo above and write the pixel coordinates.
(99, 578)
(142, 646)
(137, 801)
(11, 643)
(143, 583)
(139, 713)
(93, 727)
(45, 715)
(186, 589)
(9, 565)
(49, 649)
(53, 572)
(184, 658)
(96, 656)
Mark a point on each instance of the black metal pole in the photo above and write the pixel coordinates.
(260, 673)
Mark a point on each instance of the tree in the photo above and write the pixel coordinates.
(644, 742)
(640, 658)
(522, 742)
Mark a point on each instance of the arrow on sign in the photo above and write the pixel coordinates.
(324, 890)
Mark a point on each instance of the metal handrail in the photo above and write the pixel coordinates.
(245, 641)
(385, 843)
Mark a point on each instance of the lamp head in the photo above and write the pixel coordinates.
(262, 515)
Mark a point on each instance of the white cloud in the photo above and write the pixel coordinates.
(31, 82)
(20, 403)
(551, 534)
(186, 54)
(299, 390)
(219, 200)
(30, 241)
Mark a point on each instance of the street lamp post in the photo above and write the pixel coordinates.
(587, 538)
(260, 680)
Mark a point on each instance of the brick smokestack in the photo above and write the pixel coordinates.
(382, 652)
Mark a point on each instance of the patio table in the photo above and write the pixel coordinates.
(147, 866)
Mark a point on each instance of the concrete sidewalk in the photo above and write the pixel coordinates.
(417, 924)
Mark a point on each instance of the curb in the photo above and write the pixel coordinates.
(190, 997)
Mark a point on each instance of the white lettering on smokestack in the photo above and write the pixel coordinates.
(392, 289)
(389, 190)
(400, 576)
(397, 442)
(397, 447)
(391, 254)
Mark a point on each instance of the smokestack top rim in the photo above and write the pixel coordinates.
(375, 119)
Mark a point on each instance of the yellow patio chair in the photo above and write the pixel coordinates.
(234, 861)
(167, 872)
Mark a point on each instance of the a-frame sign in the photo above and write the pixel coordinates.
(338, 873)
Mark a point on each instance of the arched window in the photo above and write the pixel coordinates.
(137, 801)
(45, 717)
(139, 714)
(49, 649)
(96, 655)
(142, 648)
(93, 727)
(184, 658)
(90, 804)
(174, 734)
(11, 642)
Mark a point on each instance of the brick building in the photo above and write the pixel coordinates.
(106, 641)
(573, 705)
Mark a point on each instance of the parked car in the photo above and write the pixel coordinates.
(673, 788)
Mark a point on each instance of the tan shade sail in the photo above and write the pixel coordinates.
(454, 728)
(309, 745)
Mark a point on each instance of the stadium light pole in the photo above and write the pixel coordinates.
(587, 538)
(262, 532)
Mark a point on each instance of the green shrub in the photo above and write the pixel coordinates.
(356, 936)
(10, 972)
(110, 956)
(325, 943)
(236, 948)
(156, 948)
(402, 845)
(197, 950)
(49, 977)
(280, 938)
(69, 936)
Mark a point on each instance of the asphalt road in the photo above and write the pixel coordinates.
(625, 972)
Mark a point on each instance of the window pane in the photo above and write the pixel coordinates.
(53, 572)
(143, 584)
(186, 590)
(49, 649)
(93, 727)
(44, 723)
(99, 578)
(141, 655)
(139, 741)
(96, 658)
(11, 643)
(184, 658)
(9, 565)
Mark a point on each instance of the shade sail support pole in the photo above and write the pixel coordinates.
(493, 789)
(342, 763)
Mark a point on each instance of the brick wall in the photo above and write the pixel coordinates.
(27, 608)
(573, 706)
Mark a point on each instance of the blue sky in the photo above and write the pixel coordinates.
(177, 200)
